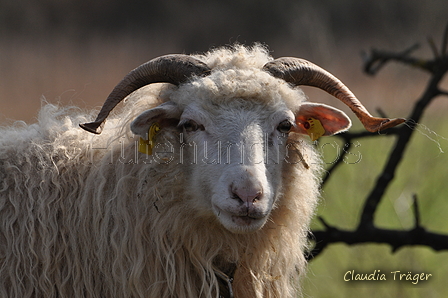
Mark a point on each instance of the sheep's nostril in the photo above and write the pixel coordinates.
(236, 197)
(247, 195)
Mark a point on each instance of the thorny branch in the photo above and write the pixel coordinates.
(367, 232)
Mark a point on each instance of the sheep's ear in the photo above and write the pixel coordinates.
(318, 120)
(165, 115)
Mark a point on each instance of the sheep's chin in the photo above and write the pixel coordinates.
(240, 224)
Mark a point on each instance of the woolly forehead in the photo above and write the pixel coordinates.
(230, 86)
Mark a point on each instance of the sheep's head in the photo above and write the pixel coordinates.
(246, 115)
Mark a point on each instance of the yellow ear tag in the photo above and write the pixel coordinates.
(314, 128)
(145, 146)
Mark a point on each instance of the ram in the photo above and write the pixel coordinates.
(201, 186)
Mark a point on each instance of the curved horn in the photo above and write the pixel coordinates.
(302, 72)
(174, 69)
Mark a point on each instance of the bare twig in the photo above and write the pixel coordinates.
(366, 230)
(381, 113)
(445, 42)
(395, 238)
(348, 138)
(377, 59)
(433, 47)
(403, 139)
(416, 211)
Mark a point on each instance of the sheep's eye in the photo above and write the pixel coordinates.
(190, 125)
(285, 126)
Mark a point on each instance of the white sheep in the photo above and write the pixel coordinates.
(222, 190)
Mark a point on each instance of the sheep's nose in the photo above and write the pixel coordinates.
(247, 194)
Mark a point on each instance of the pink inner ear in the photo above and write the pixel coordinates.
(332, 119)
(166, 114)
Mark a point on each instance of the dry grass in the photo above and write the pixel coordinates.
(63, 71)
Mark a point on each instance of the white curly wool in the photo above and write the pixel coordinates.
(85, 215)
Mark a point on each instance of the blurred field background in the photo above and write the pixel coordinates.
(74, 52)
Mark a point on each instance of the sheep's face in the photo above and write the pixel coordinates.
(238, 151)
(234, 153)
(233, 128)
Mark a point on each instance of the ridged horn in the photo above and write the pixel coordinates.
(302, 72)
(174, 69)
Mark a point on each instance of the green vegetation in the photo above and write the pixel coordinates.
(421, 173)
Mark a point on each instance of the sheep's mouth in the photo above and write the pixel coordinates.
(241, 222)
(245, 215)
(245, 220)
